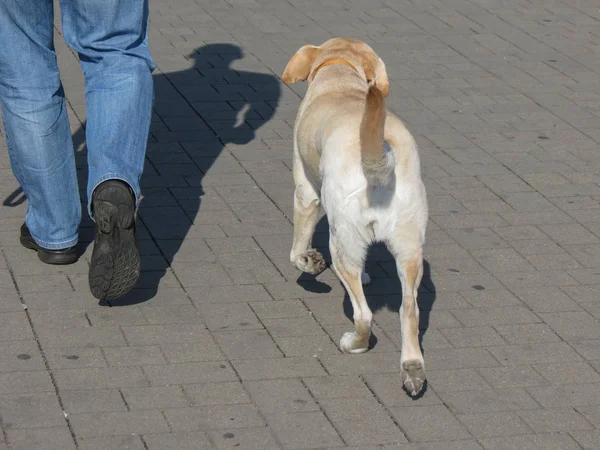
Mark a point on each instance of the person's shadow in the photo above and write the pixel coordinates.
(197, 112)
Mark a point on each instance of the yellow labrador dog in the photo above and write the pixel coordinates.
(358, 159)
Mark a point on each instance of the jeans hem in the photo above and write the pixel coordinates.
(113, 176)
(56, 245)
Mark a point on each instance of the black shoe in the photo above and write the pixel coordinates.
(115, 264)
(46, 255)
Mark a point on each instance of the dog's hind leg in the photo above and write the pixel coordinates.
(306, 213)
(409, 263)
(350, 272)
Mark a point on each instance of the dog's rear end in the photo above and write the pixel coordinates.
(359, 160)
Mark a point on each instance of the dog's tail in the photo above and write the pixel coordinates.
(377, 163)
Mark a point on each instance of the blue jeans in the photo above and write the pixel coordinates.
(110, 37)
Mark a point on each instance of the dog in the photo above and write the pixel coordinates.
(357, 159)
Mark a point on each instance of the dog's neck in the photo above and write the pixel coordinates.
(331, 62)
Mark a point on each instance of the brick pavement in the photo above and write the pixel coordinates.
(224, 345)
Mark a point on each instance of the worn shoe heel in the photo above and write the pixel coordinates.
(115, 263)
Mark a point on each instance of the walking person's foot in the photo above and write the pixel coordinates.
(115, 263)
(46, 255)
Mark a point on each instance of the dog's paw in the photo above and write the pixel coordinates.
(351, 343)
(310, 261)
(413, 376)
(365, 278)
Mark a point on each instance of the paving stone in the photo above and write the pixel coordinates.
(253, 369)
(100, 378)
(88, 401)
(56, 438)
(36, 410)
(280, 396)
(547, 352)
(155, 397)
(566, 395)
(492, 400)
(587, 439)
(362, 421)
(189, 373)
(573, 325)
(225, 393)
(258, 437)
(247, 344)
(488, 425)
(430, 423)
(555, 420)
(213, 417)
(304, 430)
(554, 441)
(115, 423)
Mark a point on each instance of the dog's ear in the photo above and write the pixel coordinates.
(298, 68)
(376, 74)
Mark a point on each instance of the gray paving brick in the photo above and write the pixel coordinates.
(56, 438)
(430, 423)
(247, 344)
(573, 325)
(14, 326)
(566, 395)
(75, 357)
(258, 437)
(495, 316)
(252, 369)
(304, 430)
(280, 396)
(25, 382)
(457, 379)
(554, 441)
(133, 356)
(155, 397)
(488, 425)
(362, 421)
(537, 353)
(492, 400)
(177, 441)
(546, 300)
(213, 417)
(189, 373)
(99, 378)
(555, 420)
(473, 336)
(204, 349)
(20, 356)
(116, 423)
(225, 393)
(88, 401)
(514, 376)
(35, 410)
(76, 337)
(229, 316)
(587, 439)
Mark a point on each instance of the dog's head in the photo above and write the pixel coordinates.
(309, 59)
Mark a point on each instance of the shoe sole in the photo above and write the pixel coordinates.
(115, 264)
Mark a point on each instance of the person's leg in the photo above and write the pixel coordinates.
(37, 129)
(111, 38)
